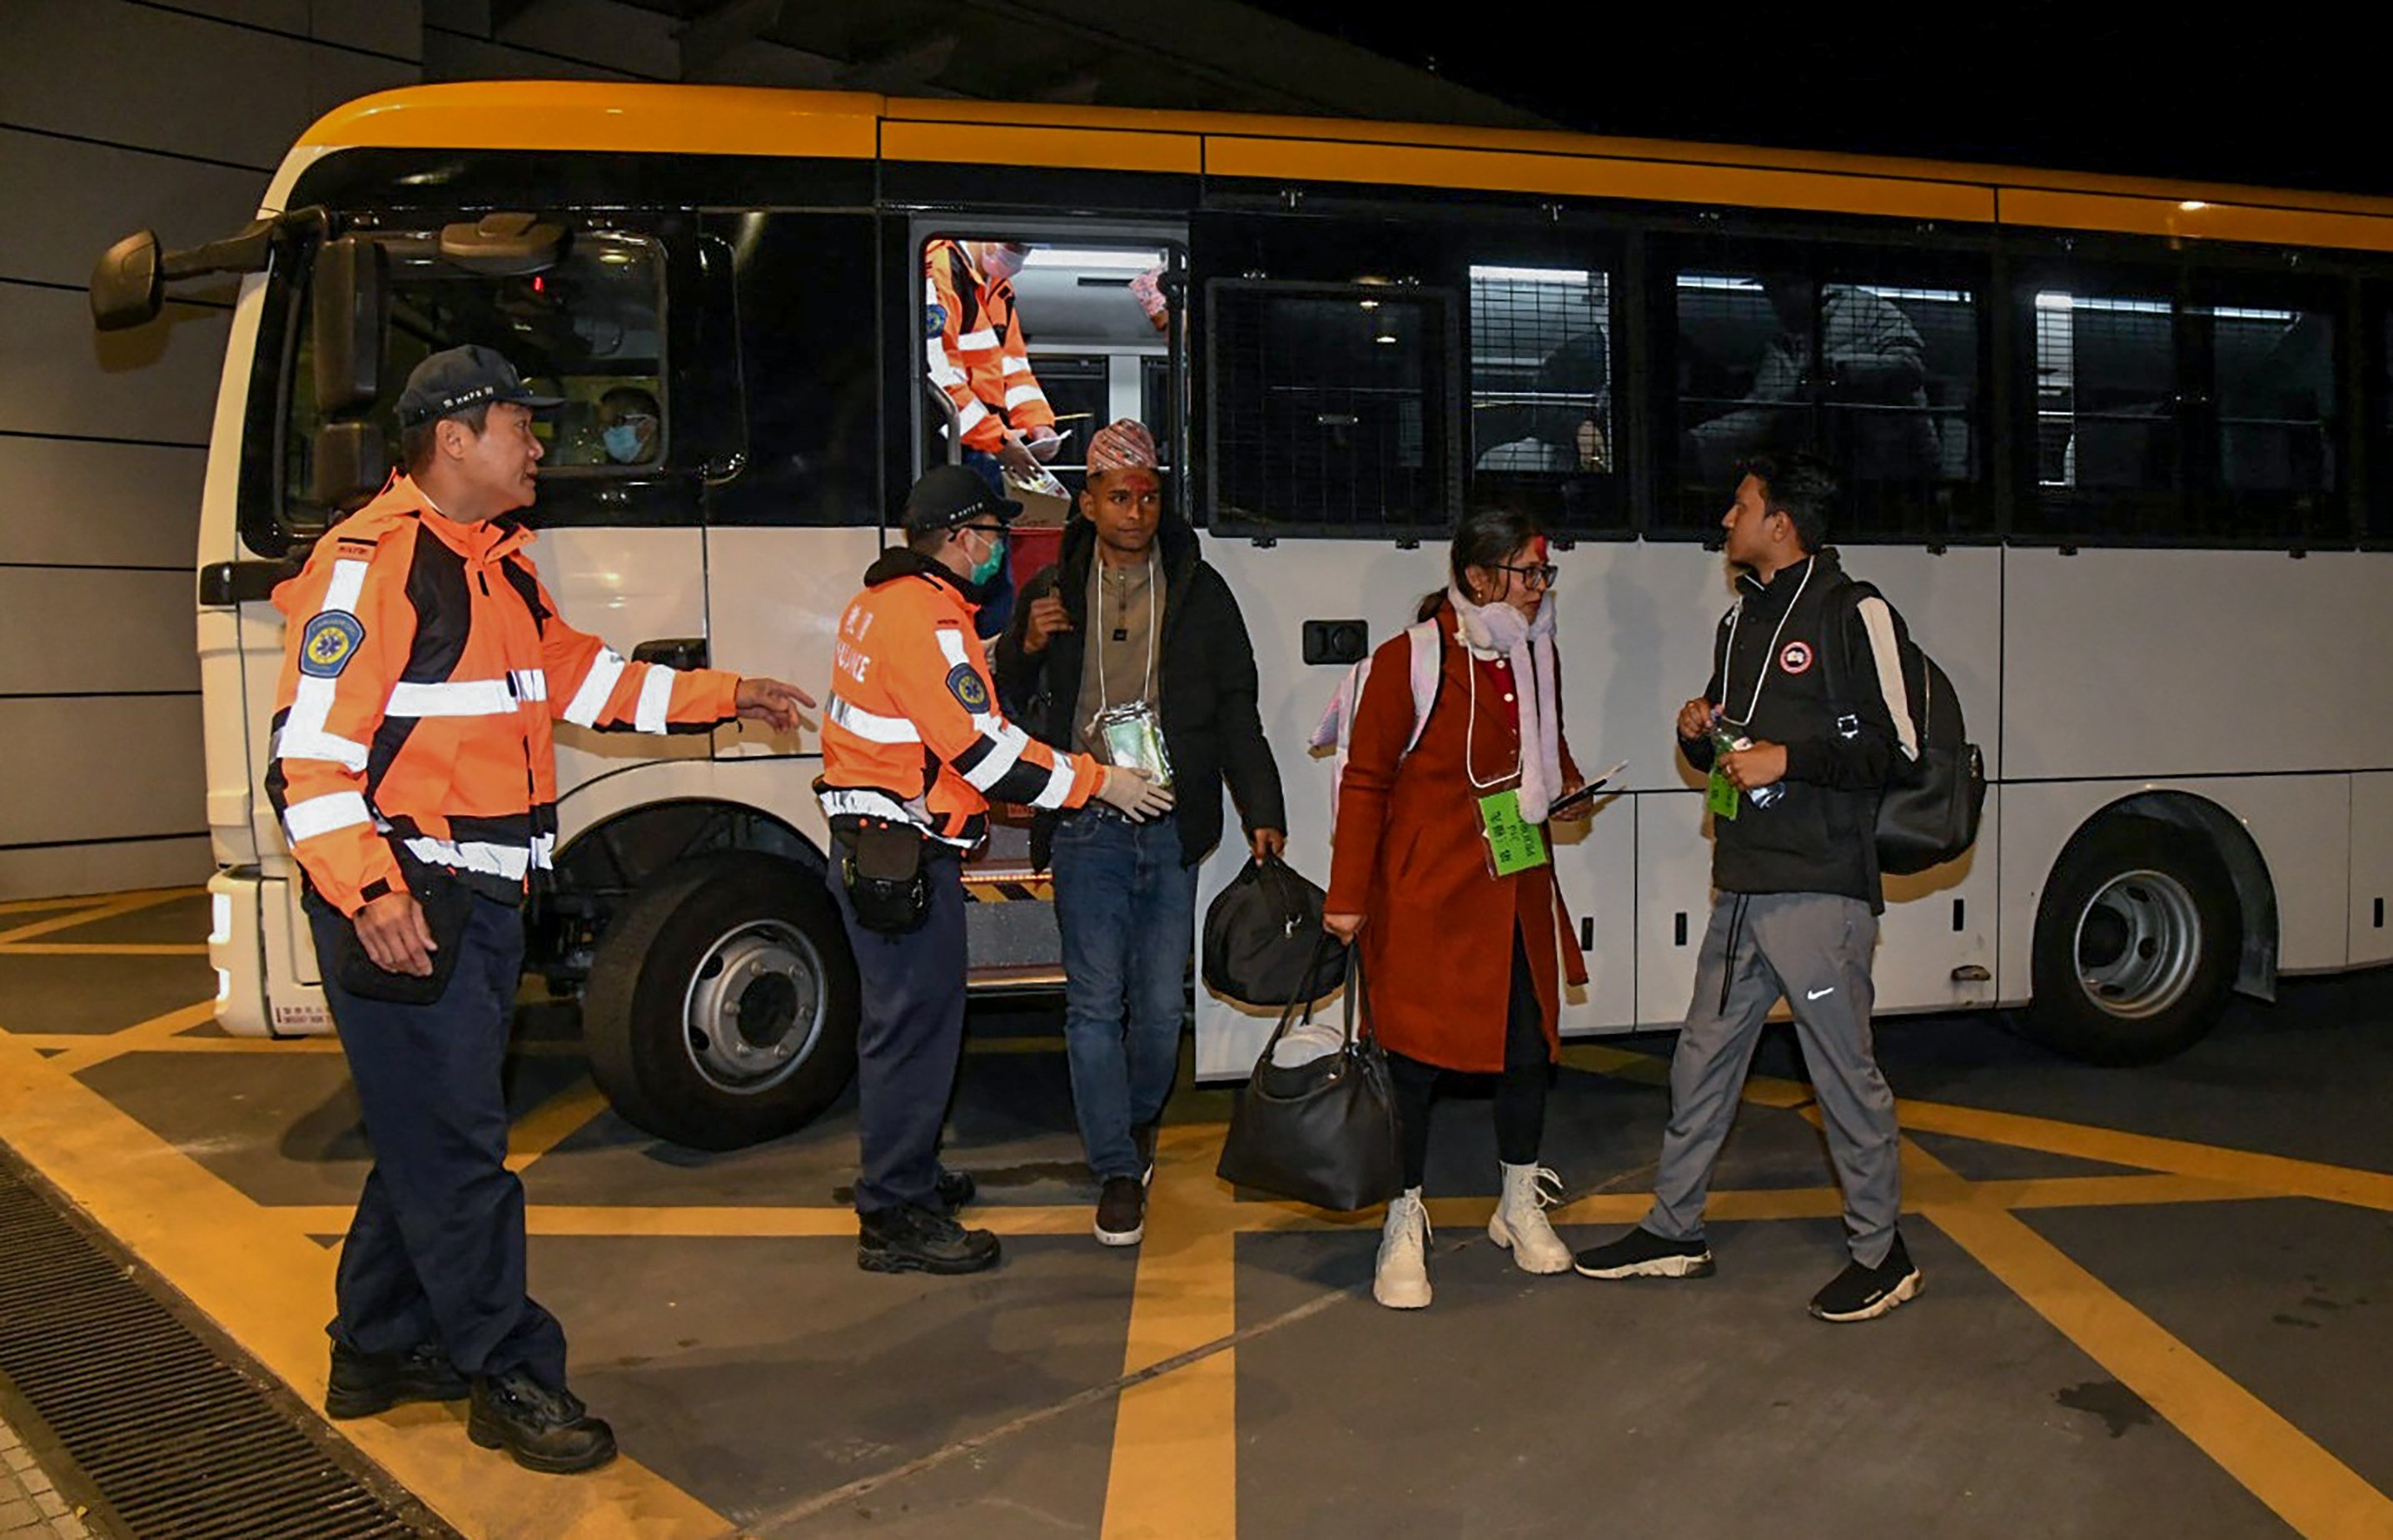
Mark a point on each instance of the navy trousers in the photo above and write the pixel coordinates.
(908, 1040)
(436, 1253)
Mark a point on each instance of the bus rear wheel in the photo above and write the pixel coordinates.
(722, 1003)
(2136, 943)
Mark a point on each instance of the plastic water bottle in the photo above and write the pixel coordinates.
(1726, 741)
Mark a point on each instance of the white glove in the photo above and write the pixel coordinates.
(1132, 793)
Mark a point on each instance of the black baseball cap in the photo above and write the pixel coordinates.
(950, 496)
(460, 380)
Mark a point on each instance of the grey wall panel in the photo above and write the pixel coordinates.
(100, 504)
(87, 629)
(135, 74)
(101, 768)
(157, 384)
(602, 32)
(104, 868)
(75, 199)
(448, 56)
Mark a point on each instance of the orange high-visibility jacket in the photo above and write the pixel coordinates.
(424, 667)
(976, 351)
(912, 733)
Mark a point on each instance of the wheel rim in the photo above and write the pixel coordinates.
(754, 1007)
(2138, 944)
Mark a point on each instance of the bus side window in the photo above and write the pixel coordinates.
(1873, 362)
(2170, 417)
(806, 301)
(1331, 408)
(1542, 430)
(2380, 421)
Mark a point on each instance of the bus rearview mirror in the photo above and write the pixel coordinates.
(126, 289)
(348, 463)
(351, 297)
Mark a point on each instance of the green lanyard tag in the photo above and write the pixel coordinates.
(1719, 796)
(1514, 844)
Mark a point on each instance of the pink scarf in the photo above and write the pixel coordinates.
(1499, 630)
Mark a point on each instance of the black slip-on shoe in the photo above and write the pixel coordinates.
(1642, 1254)
(364, 1384)
(541, 1429)
(1121, 1211)
(906, 1239)
(1866, 1293)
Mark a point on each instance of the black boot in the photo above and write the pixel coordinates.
(363, 1384)
(543, 1429)
(906, 1239)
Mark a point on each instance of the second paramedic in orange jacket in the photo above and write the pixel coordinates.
(977, 357)
(415, 775)
(914, 749)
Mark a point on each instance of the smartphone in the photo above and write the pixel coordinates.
(1585, 794)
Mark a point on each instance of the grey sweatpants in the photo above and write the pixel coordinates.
(1814, 949)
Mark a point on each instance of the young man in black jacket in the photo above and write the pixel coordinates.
(1799, 747)
(1129, 640)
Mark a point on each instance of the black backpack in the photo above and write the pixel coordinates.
(1929, 812)
(1264, 944)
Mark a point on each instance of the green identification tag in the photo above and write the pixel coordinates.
(1719, 796)
(1513, 842)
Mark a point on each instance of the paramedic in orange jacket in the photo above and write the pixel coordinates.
(914, 749)
(413, 774)
(974, 345)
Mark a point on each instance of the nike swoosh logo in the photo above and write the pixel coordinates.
(1819, 994)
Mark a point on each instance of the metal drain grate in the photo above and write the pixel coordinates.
(183, 1443)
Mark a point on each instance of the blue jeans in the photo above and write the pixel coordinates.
(1128, 910)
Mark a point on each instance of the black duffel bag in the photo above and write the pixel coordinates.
(1263, 939)
(1324, 1131)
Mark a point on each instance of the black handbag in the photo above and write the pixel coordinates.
(1323, 1132)
(1263, 939)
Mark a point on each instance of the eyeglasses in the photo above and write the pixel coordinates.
(1536, 574)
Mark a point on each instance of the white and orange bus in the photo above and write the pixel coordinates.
(2113, 446)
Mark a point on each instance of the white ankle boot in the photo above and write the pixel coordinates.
(1402, 1281)
(1520, 1221)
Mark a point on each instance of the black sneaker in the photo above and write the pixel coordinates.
(906, 1239)
(363, 1384)
(1642, 1254)
(542, 1430)
(1864, 1293)
(1121, 1211)
(956, 1189)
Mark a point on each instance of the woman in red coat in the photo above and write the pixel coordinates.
(1461, 965)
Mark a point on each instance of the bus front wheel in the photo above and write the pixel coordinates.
(722, 1003)
(2136, 943)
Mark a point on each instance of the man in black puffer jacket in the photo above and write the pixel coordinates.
(1802, 722)
(1129, 632)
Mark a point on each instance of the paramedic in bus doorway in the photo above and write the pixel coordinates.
(979, 361)
(1794, 864)
(414, 773)
(1131, 621)
(914, 749)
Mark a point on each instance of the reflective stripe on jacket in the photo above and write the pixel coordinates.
(424, 665)
(911, 731)
(975, 350)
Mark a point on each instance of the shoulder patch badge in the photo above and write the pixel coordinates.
(332, 639)
(966, 686)
(1796, 657)
(935, 318)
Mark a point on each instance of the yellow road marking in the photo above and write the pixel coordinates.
(1762, 1091)
(96, 1048)
(553, 1122)
(183, 1045)
(104, 948)
(2311, 1490)
(2277, 1174)
(717, 1222)
(1175, 1470)
(41, 906)
(126, 903)
(264, 1283)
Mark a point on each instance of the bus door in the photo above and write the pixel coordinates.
(603, 310)
(1098, 306)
